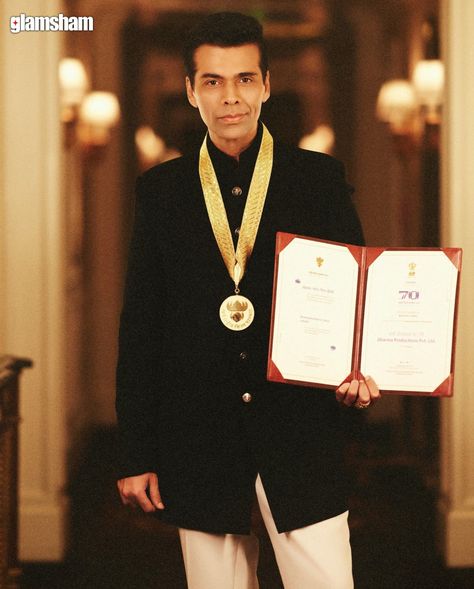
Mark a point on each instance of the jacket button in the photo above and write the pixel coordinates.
(237, 230)
(243, 356)
(236, 191)
(246, 397)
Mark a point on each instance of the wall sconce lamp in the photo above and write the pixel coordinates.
(73, 85)
(408, 107)
(98, 114)
(428, 80)
(88, 117)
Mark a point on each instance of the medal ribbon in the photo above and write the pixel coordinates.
(236, 259)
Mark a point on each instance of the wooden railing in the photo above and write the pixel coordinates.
(10, 369)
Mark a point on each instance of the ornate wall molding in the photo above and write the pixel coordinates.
(32, 287)
(457, 441)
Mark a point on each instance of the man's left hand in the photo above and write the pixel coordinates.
(359, 393)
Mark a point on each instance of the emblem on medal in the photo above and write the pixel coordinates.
(236, 312)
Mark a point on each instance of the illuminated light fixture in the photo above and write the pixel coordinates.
(88, 117)
(428, 81)
(98, 113)
(151, 148)
(73, 84)
(397, 105)
(322, 138)
(408, 107)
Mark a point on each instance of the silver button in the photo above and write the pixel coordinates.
(243, 356)
(246, 397)
(237, 191)
(237, 230)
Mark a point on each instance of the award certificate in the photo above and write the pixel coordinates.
(342, 311)
(315, 311)
(409, 320)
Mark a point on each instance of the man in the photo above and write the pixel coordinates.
(202, 430)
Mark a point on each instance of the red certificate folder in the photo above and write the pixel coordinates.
(393, 335)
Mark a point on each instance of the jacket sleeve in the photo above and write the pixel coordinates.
(139, 340)
(344, 211)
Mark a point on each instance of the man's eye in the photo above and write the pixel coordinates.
(246, 80)
(211, 83)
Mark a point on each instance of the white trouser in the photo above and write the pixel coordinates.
(314, 557)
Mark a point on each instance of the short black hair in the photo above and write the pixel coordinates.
(224, 29)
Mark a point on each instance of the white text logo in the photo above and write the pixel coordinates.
(58, 22)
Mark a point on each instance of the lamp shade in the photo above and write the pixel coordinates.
(73, 81)
(151, 147)
(100, 109)
(428, 80)
(396, 103)
(98, 113)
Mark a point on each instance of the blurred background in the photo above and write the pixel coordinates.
(384, 85)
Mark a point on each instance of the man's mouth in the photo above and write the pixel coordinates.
(232, 118)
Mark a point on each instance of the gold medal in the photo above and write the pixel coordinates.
(237, 312)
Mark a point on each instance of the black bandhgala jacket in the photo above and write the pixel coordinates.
(181, 373)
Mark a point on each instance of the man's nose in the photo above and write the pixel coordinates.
(231, 95)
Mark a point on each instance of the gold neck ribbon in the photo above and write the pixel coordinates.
(236, 259)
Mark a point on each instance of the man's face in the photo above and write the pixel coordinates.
(229, 90)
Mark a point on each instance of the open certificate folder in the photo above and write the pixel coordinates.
(341, 310)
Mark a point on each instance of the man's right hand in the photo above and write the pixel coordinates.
(133, 491)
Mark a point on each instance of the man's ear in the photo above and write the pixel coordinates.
(190, 93)
(266, 83)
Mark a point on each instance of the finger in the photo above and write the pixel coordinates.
(373, 389)
(155, 495)
(351, 394)
(363, 396)
(341, 391)
(135, 496)
(123, 499)
(142, 500)
(131, 504)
